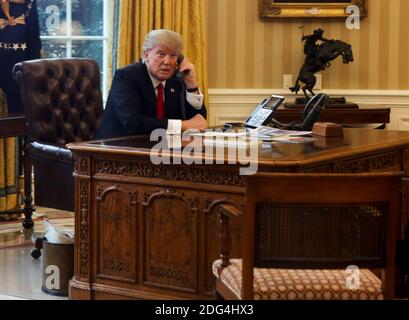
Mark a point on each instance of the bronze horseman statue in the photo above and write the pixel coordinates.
(318, 58)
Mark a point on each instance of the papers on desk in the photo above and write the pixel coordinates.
(239, 142)
(268, 134)
(241, 138)
(261, 132)
(223, 138)
(272, 134)
(246, 136)
(218, 133)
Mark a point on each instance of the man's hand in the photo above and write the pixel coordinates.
(197, 122)
(190, 78)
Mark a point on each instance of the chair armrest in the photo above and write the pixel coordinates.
(52, 152)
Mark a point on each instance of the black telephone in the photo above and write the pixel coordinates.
(264, 112)
(261, 115)
(181, 75)
(310, 115)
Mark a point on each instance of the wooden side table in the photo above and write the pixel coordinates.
(342, 116)
(14, 125)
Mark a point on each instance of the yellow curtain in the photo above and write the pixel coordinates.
(8, 166)
(187, 17)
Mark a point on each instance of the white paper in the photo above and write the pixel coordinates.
(219, 133)
(58, 236)
(243, 142)
(263, 130)
(271, 134)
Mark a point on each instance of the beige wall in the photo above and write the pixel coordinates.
(246, 52)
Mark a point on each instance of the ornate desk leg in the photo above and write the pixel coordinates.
(28, 199)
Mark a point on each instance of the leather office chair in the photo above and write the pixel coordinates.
(302, 232)
(63, 103)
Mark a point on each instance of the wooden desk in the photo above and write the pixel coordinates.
(148, 231)
(14, 125)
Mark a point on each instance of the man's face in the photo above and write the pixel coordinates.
(161, 62)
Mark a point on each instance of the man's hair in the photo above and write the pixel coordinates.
(163, 37)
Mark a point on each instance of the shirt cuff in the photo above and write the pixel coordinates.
(174, 126)
(195, 100)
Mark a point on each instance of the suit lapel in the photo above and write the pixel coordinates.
(150, 94)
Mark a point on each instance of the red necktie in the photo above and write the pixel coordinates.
(160, 107)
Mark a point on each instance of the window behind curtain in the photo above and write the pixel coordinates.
(75, 28)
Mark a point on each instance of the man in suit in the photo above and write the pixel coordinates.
(147, 95)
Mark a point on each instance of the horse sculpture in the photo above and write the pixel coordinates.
(319, 60)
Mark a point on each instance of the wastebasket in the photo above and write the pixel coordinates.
(58, 267)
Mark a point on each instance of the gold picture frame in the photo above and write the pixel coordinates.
(309, 9)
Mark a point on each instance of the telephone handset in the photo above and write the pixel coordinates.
(310, 114)
(312, 110)
(181, 75)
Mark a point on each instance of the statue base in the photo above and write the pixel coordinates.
(333, 103)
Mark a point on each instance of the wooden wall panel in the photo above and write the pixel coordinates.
(246, 52)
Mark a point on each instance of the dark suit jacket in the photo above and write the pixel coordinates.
(131, 105)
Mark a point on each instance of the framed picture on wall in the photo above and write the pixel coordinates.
(310, 8)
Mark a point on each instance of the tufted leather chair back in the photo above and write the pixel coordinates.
(62, 99)
(63, 103)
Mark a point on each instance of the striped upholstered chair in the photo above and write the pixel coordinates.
(313, 237)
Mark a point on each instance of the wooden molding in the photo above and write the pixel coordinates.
(378, 97)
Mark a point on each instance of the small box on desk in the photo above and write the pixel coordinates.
(328, 129)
